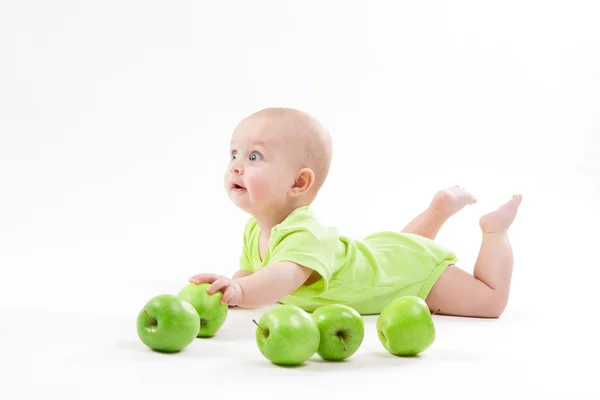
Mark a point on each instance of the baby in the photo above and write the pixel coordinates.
(279, 160)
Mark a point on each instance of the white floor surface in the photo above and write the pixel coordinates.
(83, 357)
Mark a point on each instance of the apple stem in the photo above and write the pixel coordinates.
(343, 342)
(256, 323)
(150, 318)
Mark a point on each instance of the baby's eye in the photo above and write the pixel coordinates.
(234, 155)
(255, 157)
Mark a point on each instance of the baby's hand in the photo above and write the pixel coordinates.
(232, 291)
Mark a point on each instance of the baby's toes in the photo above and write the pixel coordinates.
(466, 197)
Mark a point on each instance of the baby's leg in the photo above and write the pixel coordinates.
(445, 204)
(485, 293)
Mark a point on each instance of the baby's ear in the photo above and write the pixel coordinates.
(303, 182)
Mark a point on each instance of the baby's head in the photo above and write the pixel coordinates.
(279, 159)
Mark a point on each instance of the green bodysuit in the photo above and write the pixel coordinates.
(364, 274)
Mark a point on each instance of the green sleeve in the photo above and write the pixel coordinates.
(308, 248)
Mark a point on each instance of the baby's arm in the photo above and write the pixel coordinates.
(264, 287)
(241, 274)
(272, 283)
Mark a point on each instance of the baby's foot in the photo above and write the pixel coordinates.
(451, 200)
(500, 220)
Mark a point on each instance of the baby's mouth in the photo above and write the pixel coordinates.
(235, 186)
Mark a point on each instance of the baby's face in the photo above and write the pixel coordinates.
(259, 174)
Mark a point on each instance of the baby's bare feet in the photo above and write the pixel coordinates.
(451, 200)
(500, 220)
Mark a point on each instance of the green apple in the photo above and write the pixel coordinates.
(287, 335)
(342, 331)
(405, 326)
(167, 323)
(208, 306)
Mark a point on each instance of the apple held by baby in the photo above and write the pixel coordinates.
(208, 306)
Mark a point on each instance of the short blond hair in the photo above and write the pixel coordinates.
(310, 134)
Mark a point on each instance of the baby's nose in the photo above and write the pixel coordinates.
(236, 169)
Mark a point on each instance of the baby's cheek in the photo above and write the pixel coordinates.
(259, 187)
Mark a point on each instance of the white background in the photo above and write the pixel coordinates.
(115, 119)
